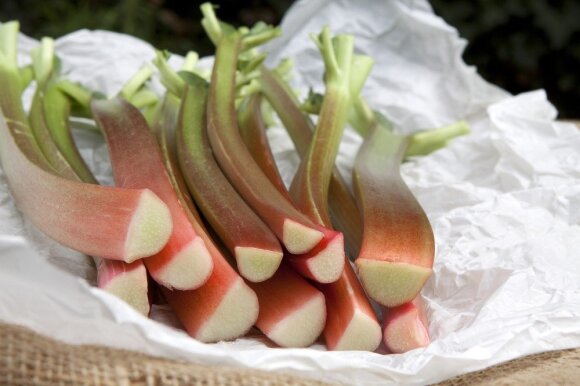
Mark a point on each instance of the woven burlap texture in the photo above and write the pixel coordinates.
(27, 359)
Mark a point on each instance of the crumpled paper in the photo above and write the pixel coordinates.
(504, 203)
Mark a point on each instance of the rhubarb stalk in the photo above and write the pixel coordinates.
(184, 263)
(405, 327)
(224, 307)
(256, 249)
(343, 209)
(127, 281)
(396, 256)
(121, 224)
(297, 233)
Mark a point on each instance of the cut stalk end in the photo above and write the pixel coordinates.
(301, 327)
(131, 287)
(257, 264)
(234, 316)
(298, 238)
(362, 333)
(325, 265)
(406, 332)
(189, 269)
(150, 228)
(391, 284)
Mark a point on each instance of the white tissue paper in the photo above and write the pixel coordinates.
(504, 203)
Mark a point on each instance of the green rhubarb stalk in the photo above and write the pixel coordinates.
(311, 183)
(343, 209)
(256, 249)
(296, 232)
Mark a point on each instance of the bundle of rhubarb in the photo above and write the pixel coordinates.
(199, 211)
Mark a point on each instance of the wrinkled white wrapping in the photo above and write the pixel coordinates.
(504, 203)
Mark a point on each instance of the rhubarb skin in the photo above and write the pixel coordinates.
(398, 247)
(351, 323)
(184, 263)
(292, 312)
(224, 307)
(296, 232)
(256, 249)
(405, 327)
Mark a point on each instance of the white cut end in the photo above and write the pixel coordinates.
(301, 327)
(234, 316)
(406, 333)
(150, 228)
(188, 269)
(327, 265)
(391, 284)
(257, 264)
(362, 333)
(131, 287)
(298, 238)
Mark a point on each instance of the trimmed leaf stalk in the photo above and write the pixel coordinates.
(256, 249)
(298, 234)
(119, 224)
(224, 307)
(398, 246)
(127, 281)
(184, 262)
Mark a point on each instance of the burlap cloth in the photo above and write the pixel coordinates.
(27, 358)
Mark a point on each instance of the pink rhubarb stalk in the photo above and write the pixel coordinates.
(127, 281)
(120, 224)
(398, 247)
(184, 263)
(405, 327)
(292, 312)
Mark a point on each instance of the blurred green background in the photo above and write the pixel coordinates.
(519, 45)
